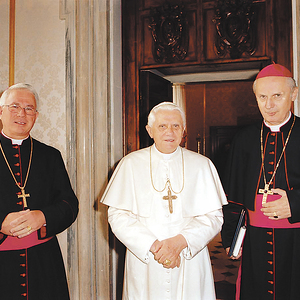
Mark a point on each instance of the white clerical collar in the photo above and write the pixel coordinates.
(276, 128)
(166, 156)
(14, 141)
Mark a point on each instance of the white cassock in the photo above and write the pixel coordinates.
(138, 216)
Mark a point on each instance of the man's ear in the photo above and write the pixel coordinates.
(36, 115)
(149, 130)
(295, 93)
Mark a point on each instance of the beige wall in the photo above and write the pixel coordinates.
(4, 44)
(40, 61)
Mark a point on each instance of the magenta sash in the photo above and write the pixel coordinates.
(14, 243)
(258, 219)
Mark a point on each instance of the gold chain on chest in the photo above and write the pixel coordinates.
(22, 188)
(282, 152)
(168, 182)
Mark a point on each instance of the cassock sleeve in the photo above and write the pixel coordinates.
(231, 216)
(294, 196)
(62, 211)
(131, 232)
(200, 231)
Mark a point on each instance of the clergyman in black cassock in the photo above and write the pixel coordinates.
(264, 176)
(32, 267)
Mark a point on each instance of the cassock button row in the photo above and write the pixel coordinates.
(24, 295)
(271, 292)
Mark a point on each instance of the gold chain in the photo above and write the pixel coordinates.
(30, 158)
(262, 152)
(168, 180)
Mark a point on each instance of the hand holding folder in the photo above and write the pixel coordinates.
(238, 236)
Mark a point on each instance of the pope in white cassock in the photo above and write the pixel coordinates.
(165, 206)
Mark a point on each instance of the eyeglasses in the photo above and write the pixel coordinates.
(16, 108)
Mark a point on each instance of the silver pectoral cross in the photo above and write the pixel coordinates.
(170, 197)
(24, 195)
(266, 192)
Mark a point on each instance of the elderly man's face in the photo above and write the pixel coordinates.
(167, 130)
(18, 125)
(274, 98)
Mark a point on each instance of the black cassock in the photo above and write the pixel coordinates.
(271, 256)
(35, 273)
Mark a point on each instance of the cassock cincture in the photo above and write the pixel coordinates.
(170, 197)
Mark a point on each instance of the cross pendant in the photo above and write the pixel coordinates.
(170, 197)
(266, 192)
(24, 195)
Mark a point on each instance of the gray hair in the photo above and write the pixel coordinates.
(290, 81)
(19, 86)
(165, 106)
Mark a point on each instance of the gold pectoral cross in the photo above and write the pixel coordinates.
(266, 192)
(170, 197)
(23, 195)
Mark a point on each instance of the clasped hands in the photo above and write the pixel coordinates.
(23, 223)
(167, 252)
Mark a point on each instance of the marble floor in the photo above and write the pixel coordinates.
(225, 270)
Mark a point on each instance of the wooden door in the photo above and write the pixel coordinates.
(153, 90)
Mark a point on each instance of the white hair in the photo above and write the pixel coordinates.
(19, 86)
(165, 106)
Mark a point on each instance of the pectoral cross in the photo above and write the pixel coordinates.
(170, 197)
(23, 195)
(266, 192)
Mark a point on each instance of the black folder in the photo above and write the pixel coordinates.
(238, 235)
